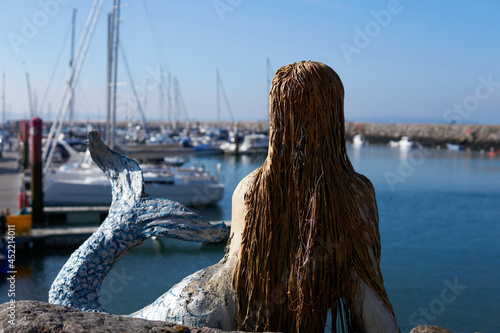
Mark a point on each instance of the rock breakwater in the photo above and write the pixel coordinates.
(475, 137)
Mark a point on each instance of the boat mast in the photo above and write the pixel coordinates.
(109, 78)
(116, 11)
(218, 94)
(3, 97)
(268, 88)
(169, 97)
(162, 83)
(30, 101)
(71, 59)
(81, 53)
(134, 91)
(145, 97)
(176, 104)
(220, 87)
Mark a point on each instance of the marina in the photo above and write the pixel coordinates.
(63, 226)
(65, 223)
(198, 97)
(438, 223)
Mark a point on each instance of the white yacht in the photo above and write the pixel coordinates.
(404, 143)
(252, 143)
(84, 184)
(359, 140)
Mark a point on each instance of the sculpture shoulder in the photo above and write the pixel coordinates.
(238, 212)
(243, 186)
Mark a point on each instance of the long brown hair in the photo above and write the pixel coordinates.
(310, 218)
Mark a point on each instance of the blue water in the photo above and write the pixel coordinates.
(439, 225)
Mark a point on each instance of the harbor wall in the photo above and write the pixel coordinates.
(475, 137)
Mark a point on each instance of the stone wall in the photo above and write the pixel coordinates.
(475, 137)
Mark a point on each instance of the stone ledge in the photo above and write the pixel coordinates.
(36, 316)
(430, 329)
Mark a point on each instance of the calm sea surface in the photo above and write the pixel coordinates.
(439, 224)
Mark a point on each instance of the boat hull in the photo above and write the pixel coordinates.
(99, 194)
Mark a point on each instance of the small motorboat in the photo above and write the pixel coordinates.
(174, 160)
(359, 140)
(404, 143)
(453, 147)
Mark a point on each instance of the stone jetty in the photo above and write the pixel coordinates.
(475, 137)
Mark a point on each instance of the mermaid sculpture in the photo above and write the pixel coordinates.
(132, 219)
(304, 236)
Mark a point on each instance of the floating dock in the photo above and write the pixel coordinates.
(60, 237)
(48, 237)
(9, 194)
(9, 181)
(54, 237)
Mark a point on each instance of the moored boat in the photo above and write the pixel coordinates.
(251, 144)
(404, 143)
(359, 140)
(84, 184)
(453, 147)
(190, 190)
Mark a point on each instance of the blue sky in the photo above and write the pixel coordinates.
(407, 60)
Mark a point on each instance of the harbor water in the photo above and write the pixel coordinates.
(439, 224)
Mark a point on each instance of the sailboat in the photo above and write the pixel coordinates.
(84, 184)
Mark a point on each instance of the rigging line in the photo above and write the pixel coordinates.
(226, 99)
(269, 71)
(3, 95)
(125, 62)
(160, 52)
(54, 69)
(114, 70)
(76, 76)
(82, 97)
(164, 36)
(182, 105)
(67, 85)
(218, 94)
(30, 100)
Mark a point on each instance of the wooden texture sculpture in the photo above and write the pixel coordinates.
(311, 240)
